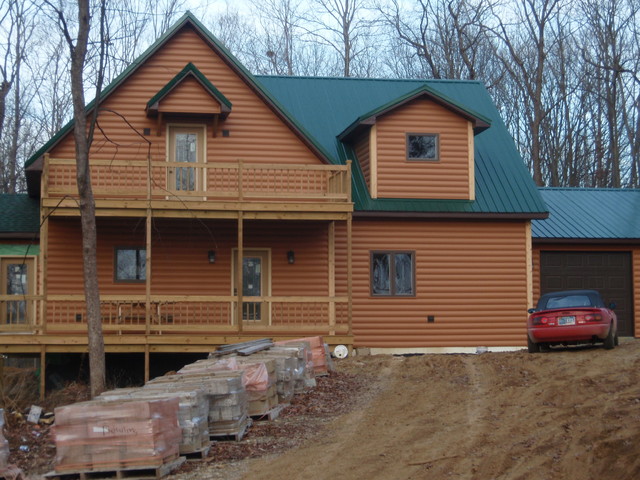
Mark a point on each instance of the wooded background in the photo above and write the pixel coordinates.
(565, 74)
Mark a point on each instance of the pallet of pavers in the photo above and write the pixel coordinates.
(263, 398)
(193, 410)
(228, 410)
(304, 376)
(117, 439)
(285, 364)
(259, 381)
(319, 351)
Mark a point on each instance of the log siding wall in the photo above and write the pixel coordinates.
(179, 256)
(447, 178)
(256, 134)
(471, 276)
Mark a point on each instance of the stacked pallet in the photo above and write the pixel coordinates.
(193, 409)
(227, 396)
(285, 364)
(259, 379)
(319, 352)
(303, 375)
(4, 444)
(115, 435)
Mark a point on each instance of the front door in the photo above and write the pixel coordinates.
(255, 285)
(17, 275)
(186, 147)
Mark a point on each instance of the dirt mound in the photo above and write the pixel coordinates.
(570, 413)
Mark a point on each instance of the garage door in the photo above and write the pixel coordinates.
(608, 272)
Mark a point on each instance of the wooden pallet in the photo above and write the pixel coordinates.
(236, 436)
(197, 454)
(272, 414)
(130, 473)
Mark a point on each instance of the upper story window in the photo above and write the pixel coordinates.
(393, 274)
(186, 146)
(130, 264)
(423, 146)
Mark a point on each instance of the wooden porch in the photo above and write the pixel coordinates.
(150, 319)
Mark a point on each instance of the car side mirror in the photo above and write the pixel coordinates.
(531, 310)
(612, 305)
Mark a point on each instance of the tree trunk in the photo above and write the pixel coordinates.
(87, 205)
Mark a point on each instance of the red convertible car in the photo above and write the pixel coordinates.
(571, 317)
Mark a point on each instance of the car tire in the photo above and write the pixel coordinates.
(610, 340)
(616, 340)
(532, 347)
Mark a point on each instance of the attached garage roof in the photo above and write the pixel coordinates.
(589, 214)
(20, 215)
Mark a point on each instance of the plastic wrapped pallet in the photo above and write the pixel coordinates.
(262, 396)
(193, 410)
(259, 379)
(303, 375)
(285, 366)
(228, 405)
(103, 435)
(321, 361)
(4, 444)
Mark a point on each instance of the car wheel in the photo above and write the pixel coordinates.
(532, 347)
(610, 340)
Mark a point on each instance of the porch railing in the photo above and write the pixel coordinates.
(225, 181)
(19, 313)
(202, 314)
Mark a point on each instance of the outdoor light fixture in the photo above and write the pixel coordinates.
(212, 256)
(291, 256)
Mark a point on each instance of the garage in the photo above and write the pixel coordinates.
(608, 272)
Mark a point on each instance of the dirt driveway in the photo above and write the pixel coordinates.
(568, 414)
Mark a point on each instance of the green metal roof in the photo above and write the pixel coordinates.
(328, 106)
(589, 214)
(190, 70)
(20, 214)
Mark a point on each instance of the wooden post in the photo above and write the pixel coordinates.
(148, 256)
(331, 240)
(43, 371)
(239, 263)
(348, 181)
(349, 272)
(44, 243)
(146, 361)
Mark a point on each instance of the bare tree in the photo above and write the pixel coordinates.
(342, 26)
(83, 134)
(523, 52)
(18, 25)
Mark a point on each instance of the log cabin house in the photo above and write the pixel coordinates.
(393, 215)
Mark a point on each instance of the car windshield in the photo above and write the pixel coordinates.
(569, 301)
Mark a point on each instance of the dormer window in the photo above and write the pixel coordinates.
(423, 146)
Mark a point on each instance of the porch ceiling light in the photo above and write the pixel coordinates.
(212, 256)
(291, 256)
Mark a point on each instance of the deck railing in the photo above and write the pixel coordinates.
(204, 181)
(19, 312)
(202, 314)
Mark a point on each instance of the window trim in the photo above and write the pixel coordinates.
(115, 264)
(392, 270)
(424, 134)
